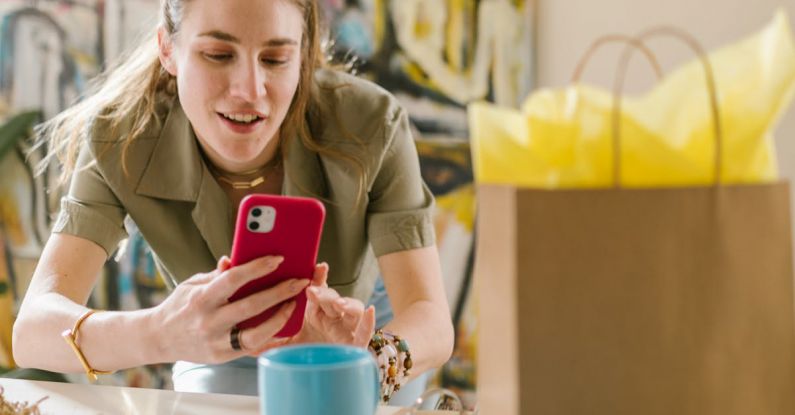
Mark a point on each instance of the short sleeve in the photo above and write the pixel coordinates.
(400, 204)
(90, 210)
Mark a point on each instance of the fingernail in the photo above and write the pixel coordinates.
(314, 290)
(298, 284)
(341, 301)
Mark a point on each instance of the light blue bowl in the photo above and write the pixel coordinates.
(318, 379)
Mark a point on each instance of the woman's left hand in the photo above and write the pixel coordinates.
(331, 318)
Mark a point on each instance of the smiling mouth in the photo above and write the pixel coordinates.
(241, 119)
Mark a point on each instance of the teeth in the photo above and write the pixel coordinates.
(246, 118)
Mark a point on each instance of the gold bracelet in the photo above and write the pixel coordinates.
(71, 338)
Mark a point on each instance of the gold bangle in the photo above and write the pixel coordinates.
(71, 338)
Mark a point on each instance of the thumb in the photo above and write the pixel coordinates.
(366, 328)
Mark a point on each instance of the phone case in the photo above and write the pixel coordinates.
(278, 225)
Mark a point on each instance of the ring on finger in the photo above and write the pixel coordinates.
(234, 338)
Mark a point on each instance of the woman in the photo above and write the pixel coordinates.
(233, 100)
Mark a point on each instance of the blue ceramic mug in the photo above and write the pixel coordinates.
(318, 379)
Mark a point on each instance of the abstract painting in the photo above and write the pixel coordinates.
(438, 55)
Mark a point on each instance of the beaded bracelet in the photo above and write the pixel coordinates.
(394, 361)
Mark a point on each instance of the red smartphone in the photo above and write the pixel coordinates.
(278, 225)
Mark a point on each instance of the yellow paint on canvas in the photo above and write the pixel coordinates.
(462, 203)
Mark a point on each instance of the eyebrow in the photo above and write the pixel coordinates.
(217, 34)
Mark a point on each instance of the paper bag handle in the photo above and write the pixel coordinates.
(615, 38)
(711, 87)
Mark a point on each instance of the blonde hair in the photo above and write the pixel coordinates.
(117, 92)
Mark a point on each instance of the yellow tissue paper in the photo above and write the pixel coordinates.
(562, 138)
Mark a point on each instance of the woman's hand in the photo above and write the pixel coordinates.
(333, 319)
(197, 318)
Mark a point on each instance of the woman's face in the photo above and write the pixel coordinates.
(237, 65)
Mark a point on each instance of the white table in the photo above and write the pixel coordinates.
(76, 399)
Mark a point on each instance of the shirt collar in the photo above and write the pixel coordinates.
(176, 169)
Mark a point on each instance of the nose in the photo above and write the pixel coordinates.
(248, 81)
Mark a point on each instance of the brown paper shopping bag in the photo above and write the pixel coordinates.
(669, 301)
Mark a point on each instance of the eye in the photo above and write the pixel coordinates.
(274, 61)
(218, 57)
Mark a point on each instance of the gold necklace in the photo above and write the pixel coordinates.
(247, 184)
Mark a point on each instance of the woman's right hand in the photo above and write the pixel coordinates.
(196, 318)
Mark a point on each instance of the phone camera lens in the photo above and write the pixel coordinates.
(253, 226)
(256, 212)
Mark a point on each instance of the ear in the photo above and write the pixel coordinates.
(165, 46)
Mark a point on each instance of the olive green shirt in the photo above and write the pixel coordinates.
(185, 216)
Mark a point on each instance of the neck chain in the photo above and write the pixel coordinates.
(262, 174)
